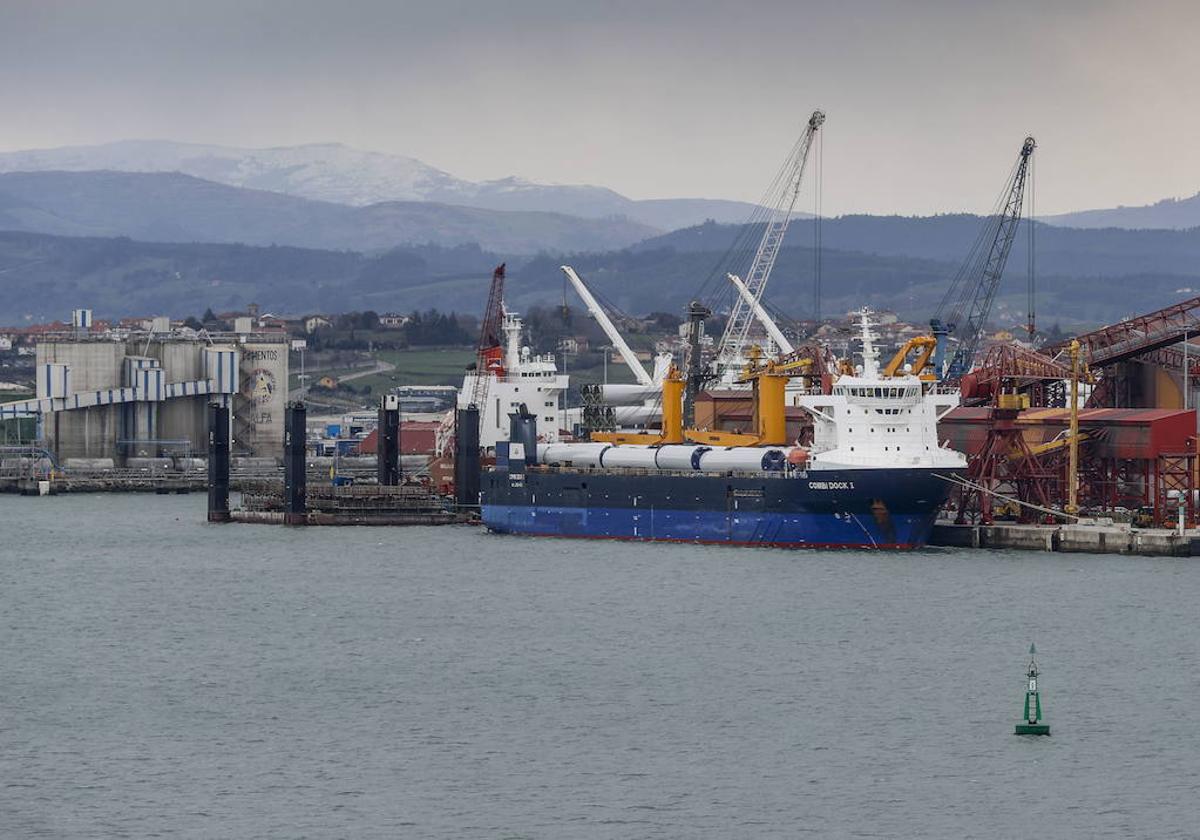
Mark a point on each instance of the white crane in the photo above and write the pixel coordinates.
(731, 352)
(762, 315)
(606, 324)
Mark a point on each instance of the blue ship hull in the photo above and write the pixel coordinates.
(893, 508)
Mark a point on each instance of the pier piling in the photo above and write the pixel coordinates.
(387, 445)
(466, 458)
(294, 486)
(218, 462)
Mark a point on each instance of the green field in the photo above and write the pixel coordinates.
(419, 367)
(446, 366)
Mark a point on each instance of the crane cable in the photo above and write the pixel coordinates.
(741, 250)
(1031, 222)
(818, 199)
(956, 301)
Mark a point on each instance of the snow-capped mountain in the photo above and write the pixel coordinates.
(337, 173)
(326, 171)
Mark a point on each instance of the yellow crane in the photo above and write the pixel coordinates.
(672, 417)
(921, 366)
(769, 380)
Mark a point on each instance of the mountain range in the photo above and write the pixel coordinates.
(172, 207)
(340, 174)
(332, 172)
(1084, 277)
(1172, 213)
(260, 226)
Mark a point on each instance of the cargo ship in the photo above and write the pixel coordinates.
(873, 476)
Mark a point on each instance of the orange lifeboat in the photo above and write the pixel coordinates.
(797, 456)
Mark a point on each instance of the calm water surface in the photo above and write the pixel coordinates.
(163, 677)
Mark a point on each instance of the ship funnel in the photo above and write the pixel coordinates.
(522, 429)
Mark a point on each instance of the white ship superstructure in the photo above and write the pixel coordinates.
(520, 378)
(875, 421)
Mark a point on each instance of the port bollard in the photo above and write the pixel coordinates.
(466, 458)
(218, 462)
(387, 442)
(294, 477)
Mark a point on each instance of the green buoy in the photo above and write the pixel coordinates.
(1033, 702)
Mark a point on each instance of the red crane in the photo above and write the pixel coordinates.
(489, 352)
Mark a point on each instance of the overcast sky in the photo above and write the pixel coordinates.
(927, 102)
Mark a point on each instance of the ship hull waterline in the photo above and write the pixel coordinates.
(855, 509)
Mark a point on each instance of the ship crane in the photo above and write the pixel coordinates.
(606, 324)
(762, 315)
(965, 307)
(731, 353)
(489, 352)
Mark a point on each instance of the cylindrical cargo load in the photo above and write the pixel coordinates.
(752, 458)
(572, 454)
(629, 456)
(628, 394)
(774, 460)
(636, 415)
(680, 457)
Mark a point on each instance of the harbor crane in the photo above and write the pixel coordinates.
(731, 353)
(965, 307)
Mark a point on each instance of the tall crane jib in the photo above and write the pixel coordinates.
(490, 348)
(978, 279)
(733, 342)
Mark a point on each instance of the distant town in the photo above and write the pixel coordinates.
(347, 360)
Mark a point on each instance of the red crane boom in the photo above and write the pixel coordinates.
(489, 352)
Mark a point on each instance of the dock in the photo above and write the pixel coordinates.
(265, 503)
(1086, 538)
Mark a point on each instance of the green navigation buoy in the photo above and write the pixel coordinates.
(1033, 702)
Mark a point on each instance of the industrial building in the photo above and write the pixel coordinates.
(143, 395)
